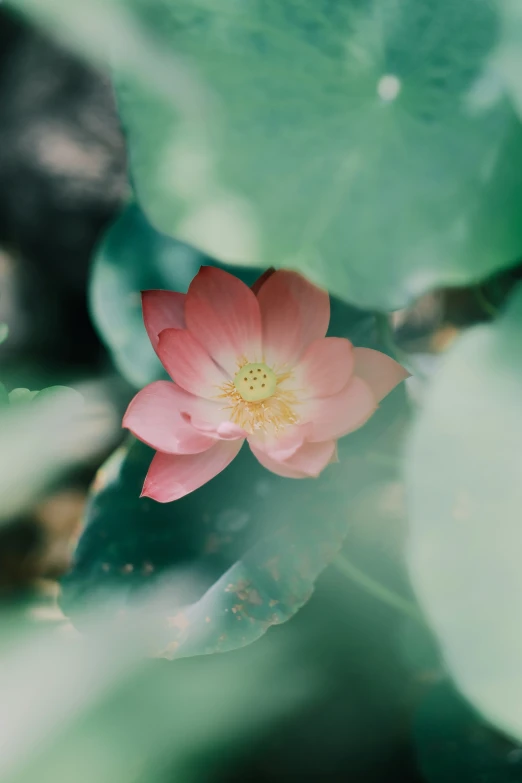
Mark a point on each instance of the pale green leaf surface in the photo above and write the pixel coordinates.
(463, 471)
(373, 145)
(361, 143)
(40, 435)
(94, 709)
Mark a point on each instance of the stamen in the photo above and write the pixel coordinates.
(259, 406)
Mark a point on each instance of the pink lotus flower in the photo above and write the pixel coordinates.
(250, 364)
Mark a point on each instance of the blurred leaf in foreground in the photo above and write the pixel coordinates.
(21, 395)
(463, 471)
(36, 436)
(42, 434)
(93, 710)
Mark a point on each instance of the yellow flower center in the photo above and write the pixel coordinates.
(255, 382)
(256, 400)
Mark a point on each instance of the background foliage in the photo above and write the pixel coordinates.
(377, 148)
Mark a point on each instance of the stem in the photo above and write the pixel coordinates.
(376, 589)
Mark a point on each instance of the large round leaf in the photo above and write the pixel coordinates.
(365, 143)
(463, 471)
